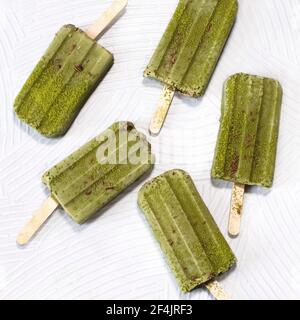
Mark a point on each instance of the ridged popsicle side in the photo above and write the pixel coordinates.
(188, 235)
(192, 44)
(62, 81)
(248, 136)
(83, 185)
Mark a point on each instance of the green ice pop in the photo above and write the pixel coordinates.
(62, 81)
(66, 76)
(95, 174)
(247, 142)
(188, 52)
(188, 235)
(82, 185)
(192, 44)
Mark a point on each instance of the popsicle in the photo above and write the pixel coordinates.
(247, 142)
(91, 177)
(186, 231)
(188, 52)
(65, 77)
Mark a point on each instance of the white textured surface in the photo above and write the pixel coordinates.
(115, 256)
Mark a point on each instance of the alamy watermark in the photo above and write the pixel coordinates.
(123, 146)
(126, 145)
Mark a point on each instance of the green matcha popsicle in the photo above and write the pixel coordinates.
(188, 235)
(66, 76)
(91, 177)
(187, 54)
(247, 143)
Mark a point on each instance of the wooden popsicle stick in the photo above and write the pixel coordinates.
(162, 110)
(38, 219)
(236, 209)
(217, 290)
(107, 18)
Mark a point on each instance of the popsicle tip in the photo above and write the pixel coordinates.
(233, 233)
(22, 240)
(122, 3)
(154, 131)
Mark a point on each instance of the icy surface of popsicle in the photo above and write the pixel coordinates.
(247, 142)
(192, 44)
(86, 181)
(62, 81)
(188, 235)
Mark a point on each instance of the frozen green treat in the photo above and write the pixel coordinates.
(62, 81)
(100, 170)
(192, 44)
(188, 235)
(247, 142)
(92, 176)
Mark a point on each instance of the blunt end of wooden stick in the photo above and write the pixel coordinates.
(121, 4)
(236, 210)
(22, 240)
(124, 3)
(234, 226)
(153, 130)
(233, 233)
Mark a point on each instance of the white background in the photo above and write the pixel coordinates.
(115, 256)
